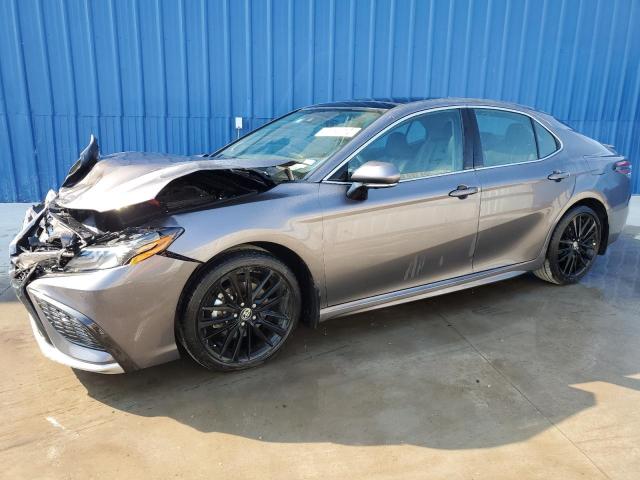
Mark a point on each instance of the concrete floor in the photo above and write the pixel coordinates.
(519, 379)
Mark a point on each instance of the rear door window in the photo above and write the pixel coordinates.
(506, 137)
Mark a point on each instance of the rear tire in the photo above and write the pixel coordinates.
(573, 247)
(241, 311)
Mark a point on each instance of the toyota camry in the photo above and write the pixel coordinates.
(327, 211)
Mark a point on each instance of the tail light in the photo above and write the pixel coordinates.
(623, 167)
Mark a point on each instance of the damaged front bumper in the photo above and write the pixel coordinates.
(92, 264)
(112, 320)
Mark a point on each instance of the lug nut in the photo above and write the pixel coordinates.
(235, 315)
(242, 324)
(254, 317)
(253, 306)
(242, 304)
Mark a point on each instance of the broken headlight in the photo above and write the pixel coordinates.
(127, 249)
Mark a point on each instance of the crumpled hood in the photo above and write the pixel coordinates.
(129, 178)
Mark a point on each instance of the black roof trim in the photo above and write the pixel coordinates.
(381, 103)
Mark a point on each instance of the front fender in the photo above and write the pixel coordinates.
(289, 215)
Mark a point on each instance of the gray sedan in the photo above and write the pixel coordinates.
(330, 210)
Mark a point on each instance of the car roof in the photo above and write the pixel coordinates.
(418, 102)
(379, 103)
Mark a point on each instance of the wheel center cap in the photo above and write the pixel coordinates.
(575, 245)
(246, 313)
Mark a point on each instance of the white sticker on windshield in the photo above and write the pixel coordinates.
(347, 132)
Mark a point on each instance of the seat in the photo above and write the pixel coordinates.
(397, 146)
(398, 151)
(518, 143)
(435, 154)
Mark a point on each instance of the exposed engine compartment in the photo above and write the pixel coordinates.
(211, 188)
(112, 207)
(196, 191)
(53, 235)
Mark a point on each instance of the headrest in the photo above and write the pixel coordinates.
(517, 135)
(397, 143)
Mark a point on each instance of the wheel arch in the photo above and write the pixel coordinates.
(309, 287)
(598, 205)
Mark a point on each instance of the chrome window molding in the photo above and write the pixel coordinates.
(488, 167)
(326, 179)
(405, 180)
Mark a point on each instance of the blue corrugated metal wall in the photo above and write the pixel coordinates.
(170, 75)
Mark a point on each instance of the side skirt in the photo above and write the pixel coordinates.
(425, 291)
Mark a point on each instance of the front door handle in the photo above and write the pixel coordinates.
(463, 192)
(558, 175)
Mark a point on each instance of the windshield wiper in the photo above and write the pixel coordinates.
(263, 177)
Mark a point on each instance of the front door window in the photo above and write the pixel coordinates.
(422, 146)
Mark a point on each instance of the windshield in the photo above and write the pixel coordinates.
(302, 140)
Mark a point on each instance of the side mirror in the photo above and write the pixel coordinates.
(372, 174)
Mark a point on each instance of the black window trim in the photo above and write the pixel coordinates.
(535, 134)
(535, 137)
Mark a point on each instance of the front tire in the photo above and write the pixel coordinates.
(573, 247)
(240, 312)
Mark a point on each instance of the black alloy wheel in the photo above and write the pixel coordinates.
(578, 245)
(573, 248)
(242, 312)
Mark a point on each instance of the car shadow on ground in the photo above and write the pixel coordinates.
(473, 369)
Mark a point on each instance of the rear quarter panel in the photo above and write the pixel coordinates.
(595, 178)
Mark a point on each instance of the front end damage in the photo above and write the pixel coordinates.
(99, 243)
(51, 243)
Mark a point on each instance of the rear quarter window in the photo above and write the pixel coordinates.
(547, 143)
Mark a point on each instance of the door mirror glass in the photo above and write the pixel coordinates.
(372, 174)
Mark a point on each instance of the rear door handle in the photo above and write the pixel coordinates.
(463, 192)
(558, 175)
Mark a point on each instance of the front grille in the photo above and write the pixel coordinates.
(67, 326)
